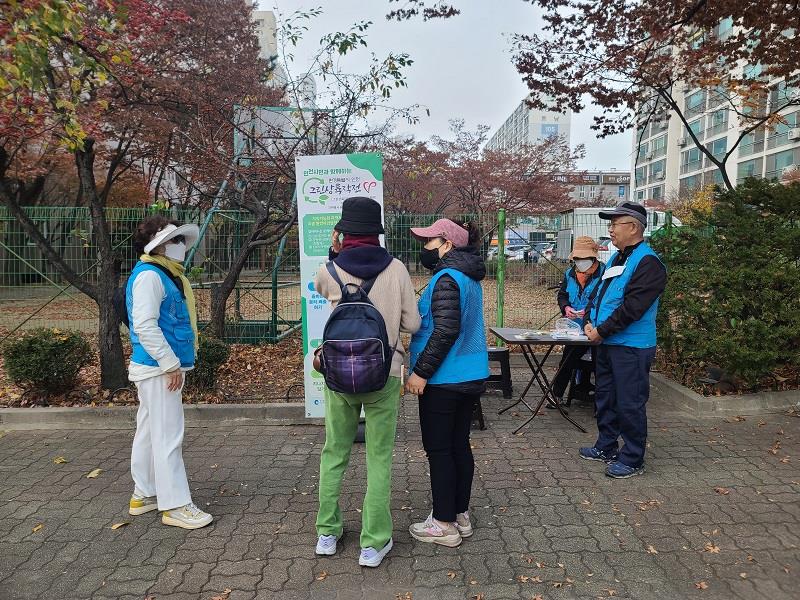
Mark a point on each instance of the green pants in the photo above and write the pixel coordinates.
(342, 412)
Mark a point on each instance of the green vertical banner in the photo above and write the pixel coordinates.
(501, 268)
(323, 183)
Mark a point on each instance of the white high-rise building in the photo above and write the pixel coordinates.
(266, 30)
(527, 126)
(301, 93)
(666, 162)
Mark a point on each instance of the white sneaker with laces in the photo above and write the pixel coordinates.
(372, 558)
(187, 517)
(326, 545)
(463, 524)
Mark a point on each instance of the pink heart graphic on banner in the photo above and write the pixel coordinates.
(368, 185)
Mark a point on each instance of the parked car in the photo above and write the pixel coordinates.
(512, 252)
(542, 252)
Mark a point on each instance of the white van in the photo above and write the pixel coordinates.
(586, 221)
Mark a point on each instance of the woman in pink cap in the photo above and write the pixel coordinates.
(449, 364)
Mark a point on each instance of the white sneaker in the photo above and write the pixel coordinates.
(429, 531)
(140, 505)
(326, 545)
(463, 524)
(373, 558)
(187, 517)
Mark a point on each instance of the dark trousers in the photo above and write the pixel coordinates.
(445, 419)
(570, 360)
(622, 387)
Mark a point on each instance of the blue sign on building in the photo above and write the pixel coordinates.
(549, 130)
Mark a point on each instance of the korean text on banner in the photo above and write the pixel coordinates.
(323, 184)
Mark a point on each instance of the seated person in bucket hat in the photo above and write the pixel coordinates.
(359, 257)
(579, 284)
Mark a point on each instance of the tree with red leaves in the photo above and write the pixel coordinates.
(110, 86)
(457, 174)
(637, 60)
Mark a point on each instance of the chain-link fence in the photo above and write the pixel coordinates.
(265, 303)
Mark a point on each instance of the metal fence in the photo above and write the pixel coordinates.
(265, 304)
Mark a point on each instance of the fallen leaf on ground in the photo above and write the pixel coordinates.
(122, 524)
(94, 473)
(406, 596)
(651, 550)
(722, 491)
(743, 575)
(60, 460)
(711, 547)
(611, 592)
(37, 528)
(322, 576)
(451, 575)
(538, 597)
(473, 582)
(478, 597)
(701, 585)
(785, 460)
(558, 584)
(224, 595)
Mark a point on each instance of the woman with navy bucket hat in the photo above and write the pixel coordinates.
(163, 331)
(577, 288)
(450, 364)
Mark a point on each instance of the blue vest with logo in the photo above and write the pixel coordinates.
(641, 333)
(173, 320)
(580, 299)
(468, 359)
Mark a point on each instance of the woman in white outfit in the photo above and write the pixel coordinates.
(163, 330)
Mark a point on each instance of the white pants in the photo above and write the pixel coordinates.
(156, 457)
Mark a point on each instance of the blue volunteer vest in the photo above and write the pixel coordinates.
(468, 359)
(580, 299)
(173, 320)
(641, 333)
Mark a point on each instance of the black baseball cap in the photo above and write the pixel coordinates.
(629, 209)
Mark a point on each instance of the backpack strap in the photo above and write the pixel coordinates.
(366, 285)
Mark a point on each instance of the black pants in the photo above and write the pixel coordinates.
(570, 360)
(445, 419)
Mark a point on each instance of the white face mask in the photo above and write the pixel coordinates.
(583, 264)
(176, 252)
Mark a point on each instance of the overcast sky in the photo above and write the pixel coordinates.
(462, 66)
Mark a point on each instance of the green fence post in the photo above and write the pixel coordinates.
(501, 267)
(278, 255)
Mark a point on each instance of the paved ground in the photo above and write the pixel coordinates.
(716, 516)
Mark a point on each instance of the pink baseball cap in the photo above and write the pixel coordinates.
(443, 228)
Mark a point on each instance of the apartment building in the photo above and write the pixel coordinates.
(526, 126)
(668, 164)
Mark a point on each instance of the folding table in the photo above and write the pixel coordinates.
(518, 337)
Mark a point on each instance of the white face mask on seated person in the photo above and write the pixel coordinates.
(583, 264)
(176, 252)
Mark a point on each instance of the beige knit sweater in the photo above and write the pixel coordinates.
(392, 294)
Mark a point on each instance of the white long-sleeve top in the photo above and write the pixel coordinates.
(148, 293)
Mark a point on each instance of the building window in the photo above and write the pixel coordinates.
(621, 192)
(776, 163)
(657, 171)
(718, 148)
(695, 104)
(689, 184)
(697, 127)
(659, 146)
(752, 143)
(749, 168)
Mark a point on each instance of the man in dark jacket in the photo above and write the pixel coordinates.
(622, 319)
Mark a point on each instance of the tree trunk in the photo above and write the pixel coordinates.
(221, 293)
(112, 360)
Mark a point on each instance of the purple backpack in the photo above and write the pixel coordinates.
(356, 357)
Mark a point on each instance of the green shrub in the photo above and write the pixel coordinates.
(46, 360)
(732, 294)
(211, 355)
